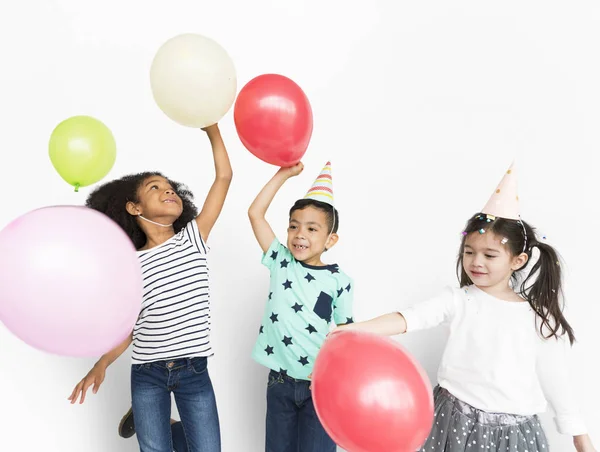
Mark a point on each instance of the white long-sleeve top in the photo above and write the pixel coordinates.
(496, 359)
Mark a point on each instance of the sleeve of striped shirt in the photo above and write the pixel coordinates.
(275, 254)
(193, 234)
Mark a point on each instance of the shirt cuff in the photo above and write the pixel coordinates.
(411, 319)
(570, 425)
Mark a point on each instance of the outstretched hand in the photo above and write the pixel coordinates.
(94, 377)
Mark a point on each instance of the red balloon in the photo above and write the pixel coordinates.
(371, 395)
(273, 119)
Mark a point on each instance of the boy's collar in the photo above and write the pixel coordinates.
(333, 268)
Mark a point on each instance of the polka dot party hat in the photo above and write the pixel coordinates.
(322, 188)
(504, 202)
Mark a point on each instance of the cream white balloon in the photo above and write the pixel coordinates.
(193, 80)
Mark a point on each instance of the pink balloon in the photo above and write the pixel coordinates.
(70, 281)
(370, 394)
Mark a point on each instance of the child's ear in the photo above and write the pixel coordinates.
(132, 209)
(519, 261)
(331, 242)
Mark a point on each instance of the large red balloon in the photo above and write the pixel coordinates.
(371, 395)
(273, 119)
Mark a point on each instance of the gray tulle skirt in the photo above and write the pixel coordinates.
(459, 427)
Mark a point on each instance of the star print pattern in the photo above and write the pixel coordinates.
(303, 360)
(300, 310)
(311, 329)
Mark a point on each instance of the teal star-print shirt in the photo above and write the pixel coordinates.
(303, 302)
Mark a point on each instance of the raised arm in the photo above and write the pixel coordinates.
(258, 209)
(215, 199)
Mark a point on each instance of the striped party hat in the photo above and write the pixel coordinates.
(504, 202)
(322, 189)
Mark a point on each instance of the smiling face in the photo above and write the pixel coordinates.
(157, 200)
(488, 262)
(308, 235)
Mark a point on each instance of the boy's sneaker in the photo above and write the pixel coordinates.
(126, 426)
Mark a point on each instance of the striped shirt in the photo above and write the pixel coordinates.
(174, 321)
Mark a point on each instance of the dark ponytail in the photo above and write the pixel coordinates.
(542, 288)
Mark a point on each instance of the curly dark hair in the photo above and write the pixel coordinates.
(112, 197)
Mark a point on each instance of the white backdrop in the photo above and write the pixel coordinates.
(420, 106)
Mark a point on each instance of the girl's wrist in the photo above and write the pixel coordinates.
(583, 443)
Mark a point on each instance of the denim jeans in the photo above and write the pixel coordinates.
(188, 380)
(292, 422)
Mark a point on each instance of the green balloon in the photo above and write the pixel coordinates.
(82, 150)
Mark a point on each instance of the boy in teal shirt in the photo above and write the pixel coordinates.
(306, 297)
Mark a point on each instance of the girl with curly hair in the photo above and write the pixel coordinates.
(171, 338)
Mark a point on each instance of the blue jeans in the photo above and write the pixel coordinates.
(151, 388)
(292, 422)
